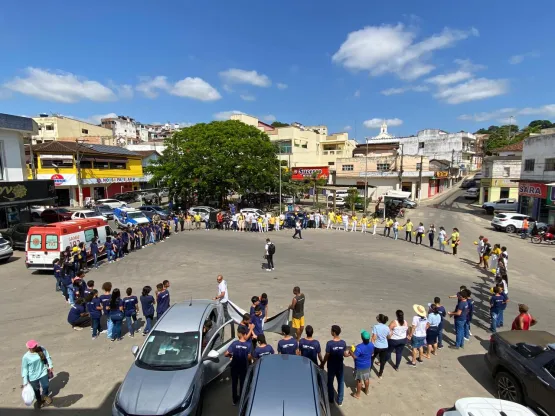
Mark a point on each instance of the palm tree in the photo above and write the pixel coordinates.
(353, 198)
(315, 182)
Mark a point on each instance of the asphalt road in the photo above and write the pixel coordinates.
(347, 278)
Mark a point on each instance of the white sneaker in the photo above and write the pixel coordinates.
(268, 270)
(273, 268)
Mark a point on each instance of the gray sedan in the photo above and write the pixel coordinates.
(176, 361)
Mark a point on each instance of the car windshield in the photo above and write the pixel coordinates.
(170, 351)
(528, 350)
(104, 208)
(135, 215)
(501, 216)
(90, 214)
(61, 210)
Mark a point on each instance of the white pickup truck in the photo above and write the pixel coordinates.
(503, 205)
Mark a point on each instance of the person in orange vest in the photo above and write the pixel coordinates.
(525, 226)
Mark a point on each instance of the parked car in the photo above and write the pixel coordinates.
(36, 210)
(468, 183)
(523, 366)
(304, 394)
(339, 201)
(255, 211)
(55, 215)
(472, 193)
(176, 361)
(112, 203)
(481, 406)
(151, 210)
(87, 213)
(126, 197)
(105, 211)
(504, 205)
(17, 235)
(405, 203)
(149, 197)
(510, 221)
(288, 199)
(6, 250)
(204, 211)
(126, 217)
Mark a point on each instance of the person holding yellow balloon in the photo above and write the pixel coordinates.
(455, 240)
(408, 233)
(441, 236)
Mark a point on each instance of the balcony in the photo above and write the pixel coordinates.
(333, 153)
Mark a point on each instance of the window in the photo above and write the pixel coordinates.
(35, 242)
(550, 164)
(52, 242)
(90, 235)
(84, 131)
(529, 165)
(102, 165)
(550, 368)
(49, 127)
(331, 163)
(486, 171)
(225, 336)
(86, 164)
(304, 145)
(118, 165)
(506, 172)
(345, 168)
(170, 351)
(57, 163)
(505, 192)
(421, 145)
(382, 167)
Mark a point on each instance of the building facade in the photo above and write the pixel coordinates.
(500, 174)
(56, 127)
(87, 171)
(124, 129)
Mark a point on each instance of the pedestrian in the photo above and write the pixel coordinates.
(480, 250)
(270, 250)
(287, 345)
(380, 333)
(260, 224)
(417, 333)
(419, 233)
(105, 301)
(116, 314)
(109, 249)
(395, 226)
(397, 338)
(431, 235)
(37, 369)
(162, 300)
(310, 347)
(94, 308)
(345, 220)
(460, 313)
(147, 304)
(374, 225)
(175, 223)
(500, 315)
(469, 315)
(255, 301)
(486, 253)
(298, 228)
(386, 228)
(408, 230)
(495, 255)
(524, 320)
(262, 348)
(297, 306)
(336, 350)
(525, 227)
(264, 305)
(496, 301)
(362, 355)
(197, 219)
(223, 295)
(354, 221)
(503, 264)
(363, 224)
(77, 317)
(67, 282)
(432, 333)
(58, 274)
(238, 351)
(83, 256)
(331, 220)
(442, 312)
(257, 322)
(89, 289)
(455, 240)
(441, 238)
(79, 285)
(130, 309)
(181, 218)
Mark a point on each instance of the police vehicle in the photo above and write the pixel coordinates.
(126, 217)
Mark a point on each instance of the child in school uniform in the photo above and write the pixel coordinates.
(58, 275)
(162, 300)
(89, 289)
(94, 308)
(105, 301)
(147, 303)
(130, 309)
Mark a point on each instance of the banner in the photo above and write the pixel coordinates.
(535, 190)
(273, 324)
(321, 172)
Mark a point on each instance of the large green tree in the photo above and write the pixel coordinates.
(211, 160)
(279, 124)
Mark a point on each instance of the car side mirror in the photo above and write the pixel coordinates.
(135, 350)
(212, 355)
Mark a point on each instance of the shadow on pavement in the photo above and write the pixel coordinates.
(476, 367)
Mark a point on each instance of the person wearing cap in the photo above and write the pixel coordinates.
(362, 355)
(524, 320)
(417, 333)
(36, 366)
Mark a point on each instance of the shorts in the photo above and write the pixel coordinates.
(431, 335)
(362, 374)
(297, 323)
(417, 342)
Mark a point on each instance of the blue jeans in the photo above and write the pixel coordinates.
(116, 330)
(335, 373)
(148, 325)
(467, 329)
(95, 326)
(395, 233)
(38, 384)
(70, 294)
(110, 332)
(58, 283)
(440, 335)
(441, 245)
(95, 260)
(494, 319)
(459, 329)
(396, 345)
(110, 255)
(130, 323)
(500, 318)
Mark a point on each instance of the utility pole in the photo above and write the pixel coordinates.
(279, 186)
(78, 166)
(420, 179)
(32, 156)
(401, 169)
(451, 167)
(366, 180)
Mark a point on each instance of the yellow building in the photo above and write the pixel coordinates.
(500, 174)
(104, 170)
(63, 128)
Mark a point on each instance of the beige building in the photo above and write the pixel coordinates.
(304, 146)
(56, 127)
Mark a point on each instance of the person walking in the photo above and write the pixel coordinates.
(270, 250)
(395, 226)
(419, 233)
(432, 333)
(223, 295)
(239, 352)
(397, 338)
(362, 355)
(408, 230)
(442, 235)
(297, 306)
(380, 332)
(417, 334)
(431, 234)
(524, 320)
(460, 313)
(336, 350)
(525, 226)
(455, 240)
(37, 369)
(298, 228)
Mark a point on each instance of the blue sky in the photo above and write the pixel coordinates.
(449, 65)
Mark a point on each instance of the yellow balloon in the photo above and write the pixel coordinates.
(414, 233)
(445, 242)
(475, 243)
(491, 289)
(493, 271)
(453, 245)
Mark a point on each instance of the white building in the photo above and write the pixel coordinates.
(383, 132)
(12, 151)
(123, 128)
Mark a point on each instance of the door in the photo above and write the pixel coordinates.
(544, 392)
(219, 342)
(20, 235)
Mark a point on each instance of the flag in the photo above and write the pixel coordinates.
(273, 324)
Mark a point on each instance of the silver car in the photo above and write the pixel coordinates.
(6, 250)
(176, 361)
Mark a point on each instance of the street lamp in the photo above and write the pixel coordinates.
(366, 180)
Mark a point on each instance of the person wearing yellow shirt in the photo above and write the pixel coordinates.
(331, 220)
(387, 227)
(272, 222)
(408, 234)
(354, 222)
(363, 224)
(374, 225)
(455, 240)
(198, 219)
(259, 221)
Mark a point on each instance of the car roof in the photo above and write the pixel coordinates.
(481, 406)
(84, 211)
(292, 376)
(184, 316)
(542, 338)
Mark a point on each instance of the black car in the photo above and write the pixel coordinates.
(151, 210)
(523, 365)
(104, 210)
(17, 235)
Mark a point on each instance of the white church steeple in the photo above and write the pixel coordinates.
(383, 132)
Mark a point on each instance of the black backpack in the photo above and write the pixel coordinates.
(271, 249)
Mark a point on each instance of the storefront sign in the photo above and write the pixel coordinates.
(108, 181)
(504, 183)
(551, 199)
(442, 174)
(321, 172)
(66, 179)
(535, 190)
(21, 192)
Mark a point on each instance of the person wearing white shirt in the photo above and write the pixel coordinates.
(223, 295)
(396, 229)
(417, 333)
(480, 250)
(419, 233)
(345, 219)
(441, 236)
(234, 222)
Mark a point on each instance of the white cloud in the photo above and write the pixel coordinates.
(195, 88)
(502, 114)
(347, 128)
(186, 124)
(401, 90)
(357, 94)
(240, 76)
(451, 78)
(468, 66)
(392, 49)
(225, 115)
(227, 88)
(508, 120)
(376, 123)
(98, 117)
(475, 89)
(282, 86)
(248, 97)
(124, 91)
(151, 87)
(59, 86)
(270, 118)
(517, 59)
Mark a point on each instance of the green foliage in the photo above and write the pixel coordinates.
(214, 159)
(279, 124)
(353, 198)
(541, 124)
(314, 182)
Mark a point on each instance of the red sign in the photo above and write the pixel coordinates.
(58, 179)
(322, 172)
(536, 190)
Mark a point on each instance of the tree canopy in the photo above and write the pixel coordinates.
(209, 161)
(279, 124)
(500, 136)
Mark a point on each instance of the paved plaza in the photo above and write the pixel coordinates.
(347, 278)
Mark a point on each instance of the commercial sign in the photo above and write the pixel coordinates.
(321, 172)
(59, 179)
(442, 174)
(551, 199)
(532, 189)
(504, 183)
(26, 191)
(108, 181)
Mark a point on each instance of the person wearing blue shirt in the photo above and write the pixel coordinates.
(442, 312)
(432, 333)
(380, 332)
(109, 248)
(162, 300)
(95, 252)
(67, 283)
(34, 370)
(94, 308)
(239, 351)
(147, 303)
(362, 355)
(336, 350)
(130, 309)
(310, 347)
(257, 320)
(460, 313)
(77, 317)
(262, 349)
(287, 345)
(495, 303)
(125, 242)
(116, 315)
(470, 302)
(58, 275)
(503, 306)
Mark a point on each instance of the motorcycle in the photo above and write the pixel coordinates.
(543, 236)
